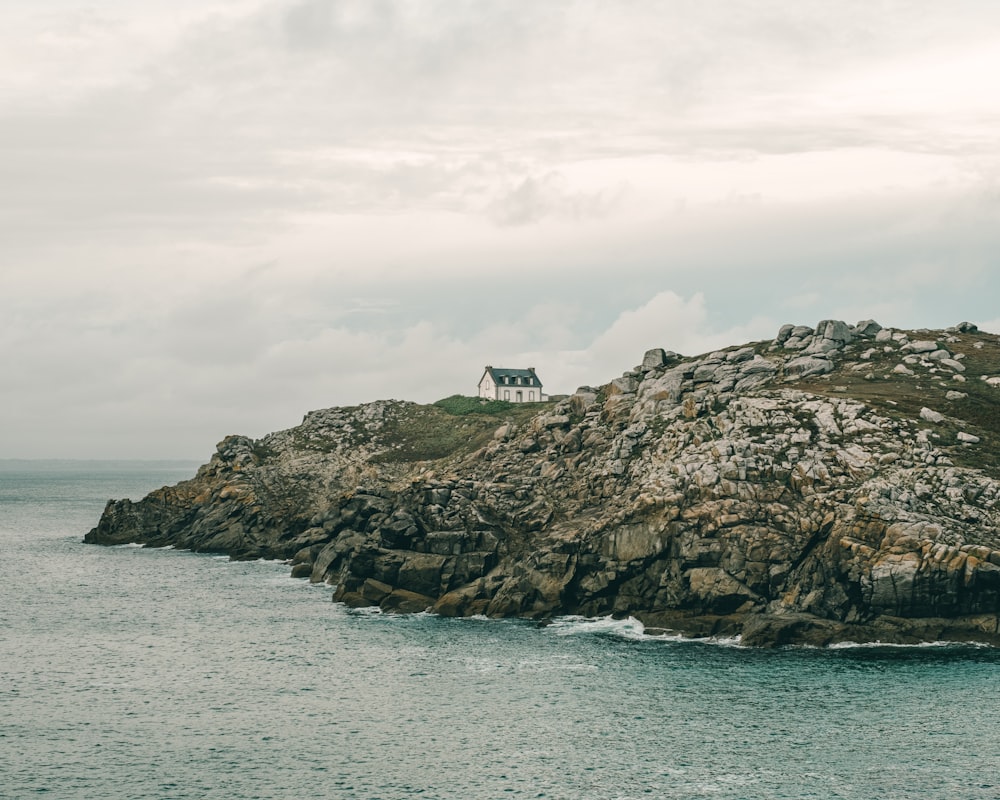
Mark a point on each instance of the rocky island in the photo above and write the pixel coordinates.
(837, 483)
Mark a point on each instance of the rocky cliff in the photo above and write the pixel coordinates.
(837, 483)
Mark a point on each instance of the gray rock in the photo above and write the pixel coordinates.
(920, 347)
(626, 384)
(654, 359)
(931, 416)
(738, 356)
(754, 373)
(807, 365)
(583, 399)
(757, 365)
(819, 346)
(867, 328)
(967, 438)
(663, 391)
(835, 330)
(706, 372)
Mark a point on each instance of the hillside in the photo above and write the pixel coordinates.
(835, 483)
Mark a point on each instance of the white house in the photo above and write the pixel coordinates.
(514, 385)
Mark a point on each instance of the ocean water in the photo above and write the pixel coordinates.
(140, 673)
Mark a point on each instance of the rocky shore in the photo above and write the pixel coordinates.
(838, 483)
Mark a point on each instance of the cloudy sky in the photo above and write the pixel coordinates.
(216, 215)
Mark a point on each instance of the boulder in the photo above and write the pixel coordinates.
(931, 416)
(804, 366)
(401, 601)
(867, 328)
(923, 346)
(784, 333)
(626, 384)
(834, 330)
(654, 359)
(740, 355)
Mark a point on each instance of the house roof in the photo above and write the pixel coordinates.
(527, 376)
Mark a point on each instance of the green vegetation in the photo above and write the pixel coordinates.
(459, 405)
(427, 433)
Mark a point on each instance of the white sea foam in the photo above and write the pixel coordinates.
(140, 546)
(365, 611)
(895, 646)
(630, 628)
(627, 628)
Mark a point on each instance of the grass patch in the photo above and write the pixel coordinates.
(460, 405)
(455, 426)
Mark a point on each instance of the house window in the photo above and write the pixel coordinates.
(520, 397)
(531, 397)
(506, 394)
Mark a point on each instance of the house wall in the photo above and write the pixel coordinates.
(491, 393)
(508, 391)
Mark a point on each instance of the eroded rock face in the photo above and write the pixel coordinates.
(748, 491)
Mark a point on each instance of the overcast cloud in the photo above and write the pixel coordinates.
(216, 216)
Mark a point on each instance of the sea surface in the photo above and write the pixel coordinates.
(140, 673)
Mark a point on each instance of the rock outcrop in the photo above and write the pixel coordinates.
(839, 483)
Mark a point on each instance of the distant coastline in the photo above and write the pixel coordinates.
(16, 464)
